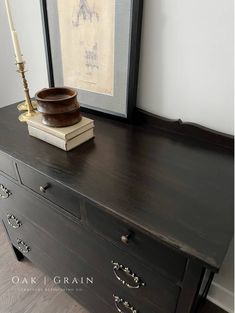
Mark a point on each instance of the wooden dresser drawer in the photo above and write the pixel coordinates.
(44, 251)
(167, 261)
(154, 290)
(50, 189)
(37, 210)
(7, 165)
(156, 296)
(23, 208)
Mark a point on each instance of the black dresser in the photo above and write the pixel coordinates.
(141, 217)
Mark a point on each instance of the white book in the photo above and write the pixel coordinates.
(65, 133)
(61, 143)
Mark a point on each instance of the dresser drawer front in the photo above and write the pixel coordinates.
(98, 252)
(71, 265)
(46, 257)
(35, 209)
(7, 165)
(158, 256)
(160, 294)
(50, 189)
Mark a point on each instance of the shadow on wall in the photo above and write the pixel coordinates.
(152, 54)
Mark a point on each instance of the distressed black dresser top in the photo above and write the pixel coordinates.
(176, 190)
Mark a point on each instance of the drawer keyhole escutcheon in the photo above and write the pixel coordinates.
(120, 302)
(137, 282)
(13, 221)
(43, 189)
(4, 192)
(22, 246)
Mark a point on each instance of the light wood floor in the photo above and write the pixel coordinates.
(36, 298)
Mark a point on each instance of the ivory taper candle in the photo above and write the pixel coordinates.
(16, 44)
(14, 35)
(9, 15)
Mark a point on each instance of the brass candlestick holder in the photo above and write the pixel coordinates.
(28, 102)
(23, 106)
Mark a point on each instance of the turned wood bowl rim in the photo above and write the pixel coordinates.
(44, 99)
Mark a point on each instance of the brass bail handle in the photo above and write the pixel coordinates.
(119, 302)
(137, 282)
(4, 192)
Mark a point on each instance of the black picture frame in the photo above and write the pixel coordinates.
(134, 57)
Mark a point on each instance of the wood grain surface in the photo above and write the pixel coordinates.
(177, 190)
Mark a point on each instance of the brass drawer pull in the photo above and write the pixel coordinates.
(44, 188)
(119, 301)
(136, 280)
(22, 246)
(4, 192)
(13, 221)
(125, 238)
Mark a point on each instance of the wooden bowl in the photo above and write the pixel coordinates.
(62, 120)
(57, 100)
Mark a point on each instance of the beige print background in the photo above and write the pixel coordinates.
(87, 44)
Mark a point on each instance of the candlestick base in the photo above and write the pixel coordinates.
(24, 117)
(23, 105)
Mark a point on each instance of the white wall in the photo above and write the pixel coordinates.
(186, 66)
(222, 288)
(28, 24)
(186, 71)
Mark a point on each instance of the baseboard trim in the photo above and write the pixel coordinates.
(221, 297)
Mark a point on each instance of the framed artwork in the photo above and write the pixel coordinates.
(94, 46)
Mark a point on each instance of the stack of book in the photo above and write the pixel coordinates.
(65, 138)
